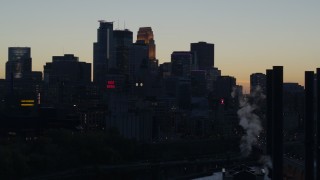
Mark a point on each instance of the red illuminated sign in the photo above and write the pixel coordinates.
(111, 85)
(222, 101)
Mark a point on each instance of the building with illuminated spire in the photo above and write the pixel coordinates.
(145, 34)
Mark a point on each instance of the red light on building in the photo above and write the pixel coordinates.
(222, 101)
(111, 85)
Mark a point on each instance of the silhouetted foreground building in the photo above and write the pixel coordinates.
(269, 91)
(275, 106)
(293, 107)
(318, 124)
(309, 123)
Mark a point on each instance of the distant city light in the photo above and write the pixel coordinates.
(139, 84)
(222, 101)
(27, 103)
(39, 98)
(111, 85)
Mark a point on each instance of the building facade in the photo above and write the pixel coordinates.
(103, 52)
(181, 62)
(257, 80)
(145, 34)
(19, 62)
(204, 53)
(67, 68)
(122, 43)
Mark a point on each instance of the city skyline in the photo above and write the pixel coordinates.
(159, 90)
(249, 36)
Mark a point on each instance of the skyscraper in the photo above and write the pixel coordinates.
(181, 63)
(66, 81)
(308, 125)
(103, 52)
(257, 79)
(198, 83)
(165, 69)
(276, 106)
(204, 53)
(19, 62)
(67, 68)
(183, 93)
(145, 34)
(122, 44)
(223, 86)
(138, 61)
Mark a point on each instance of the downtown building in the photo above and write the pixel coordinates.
(123, 73)
(145, 36)
(70, 100)
(257, 80)
(19, 62)
(21, 82)
(103, 52)
(181, 63)
(122, 45)
(20, 93)
(204, 53)
(63, 78)
(67, 68)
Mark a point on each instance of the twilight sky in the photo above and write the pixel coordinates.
(249, 35)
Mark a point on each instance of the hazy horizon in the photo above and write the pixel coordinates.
(249, 36)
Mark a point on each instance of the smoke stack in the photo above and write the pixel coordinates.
(277, 122)
(269, 112)
(318, 124)
(308, 125)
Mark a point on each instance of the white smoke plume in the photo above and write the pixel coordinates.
(234, 92)
(250, 121)
(267, 163)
